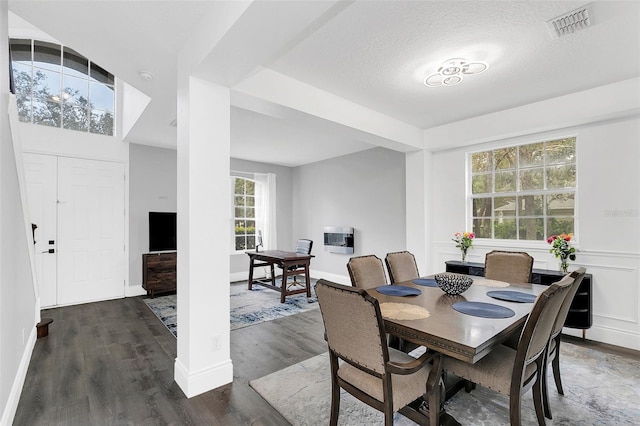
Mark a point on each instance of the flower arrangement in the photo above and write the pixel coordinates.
(464, 241)
(561, 248)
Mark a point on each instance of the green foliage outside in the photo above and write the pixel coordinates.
(524, 192)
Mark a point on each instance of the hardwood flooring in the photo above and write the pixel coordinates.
(111, 363)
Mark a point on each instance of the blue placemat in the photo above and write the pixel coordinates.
(512, 296)
(398, 290)
(484, 310)
(429, 282)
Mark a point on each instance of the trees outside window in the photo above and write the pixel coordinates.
(55, 86)
(244, 206)
(524, 192)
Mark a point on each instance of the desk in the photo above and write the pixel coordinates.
(452, 333)
(285, 260)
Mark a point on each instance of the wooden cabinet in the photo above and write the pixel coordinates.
(580, 314)
(159, 272)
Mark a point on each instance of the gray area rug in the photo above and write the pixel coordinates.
(248, 307)
(600, 389)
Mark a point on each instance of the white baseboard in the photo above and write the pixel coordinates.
(196, 383)
(10, 409)
(611, 336)
(336, 278)
(133, 291)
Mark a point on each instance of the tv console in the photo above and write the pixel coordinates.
(159, 272)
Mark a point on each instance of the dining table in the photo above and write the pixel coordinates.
(447, 331)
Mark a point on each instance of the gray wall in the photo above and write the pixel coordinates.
(152, 187)
(366, 191)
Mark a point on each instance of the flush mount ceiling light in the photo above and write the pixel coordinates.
(451, 72)
(145, 75)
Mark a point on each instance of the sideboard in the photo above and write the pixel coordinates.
(580, 313)
(159, 272)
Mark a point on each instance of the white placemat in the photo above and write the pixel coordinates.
(403, 311)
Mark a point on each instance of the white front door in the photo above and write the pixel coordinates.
(78, 206)
(41, 175)
(91, 255)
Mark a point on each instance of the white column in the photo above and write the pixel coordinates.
(418, 215)
(203, 361)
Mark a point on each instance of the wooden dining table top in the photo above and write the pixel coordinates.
(452, 333)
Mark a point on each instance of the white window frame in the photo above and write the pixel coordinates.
(543, 192)
(265, 208)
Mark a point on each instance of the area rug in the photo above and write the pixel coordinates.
(248, 307)
(600, 389)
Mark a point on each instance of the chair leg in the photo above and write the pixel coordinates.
(556, 368)
(537, 400)
(335, 403)
(545, 395)
(335, 390)
(514, 408)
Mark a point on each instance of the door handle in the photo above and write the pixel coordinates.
(49, 251)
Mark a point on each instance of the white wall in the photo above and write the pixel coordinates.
(607, 208)
(152, 187)
(17, 296)
(366, 191)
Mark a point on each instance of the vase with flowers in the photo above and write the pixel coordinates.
(562, 249)
(464, 241)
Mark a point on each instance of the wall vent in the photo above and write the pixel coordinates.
(571, 22)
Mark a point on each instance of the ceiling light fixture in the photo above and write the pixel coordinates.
(451, 72)
(145, 75)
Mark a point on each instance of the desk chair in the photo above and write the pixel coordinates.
(379, 376)
(303, 246)
(509, 266)
(513, 372)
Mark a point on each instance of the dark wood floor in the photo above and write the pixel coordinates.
(111, 363)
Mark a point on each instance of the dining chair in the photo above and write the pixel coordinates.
(303, 246)
(509, 266)
(553, 351)
(401, 266)
(513, 372)
(361, 362)
(366, 271)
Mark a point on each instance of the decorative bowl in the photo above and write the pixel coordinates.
(453, 283)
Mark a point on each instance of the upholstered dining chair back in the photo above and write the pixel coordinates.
(537, 329)
(350, 331)
(553, 351)
(514, 372)
(509, 266)
(382, 377)
(366, 271)
(401, 266)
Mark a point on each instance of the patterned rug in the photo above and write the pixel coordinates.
(248, 307)
(600, 389)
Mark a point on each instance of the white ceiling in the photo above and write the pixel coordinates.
(369, 55)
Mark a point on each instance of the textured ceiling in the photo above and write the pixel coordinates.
(372, 53)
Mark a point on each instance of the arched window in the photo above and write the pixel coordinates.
(56, 86)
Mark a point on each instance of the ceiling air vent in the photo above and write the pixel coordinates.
(571, 22)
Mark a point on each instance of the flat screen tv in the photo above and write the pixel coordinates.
(162, 231)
